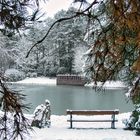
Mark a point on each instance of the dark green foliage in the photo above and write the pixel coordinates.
(133, 123)
(14, 14)
(62, 70)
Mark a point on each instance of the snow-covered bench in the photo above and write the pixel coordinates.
(93, 112)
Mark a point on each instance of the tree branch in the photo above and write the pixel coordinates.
(58, 21)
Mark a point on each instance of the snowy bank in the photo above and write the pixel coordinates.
(38, 80)
(108, 84)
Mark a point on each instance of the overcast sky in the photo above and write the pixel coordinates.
(53, 6)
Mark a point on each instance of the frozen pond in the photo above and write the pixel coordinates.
(75, 97)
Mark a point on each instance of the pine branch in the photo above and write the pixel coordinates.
(15, 125)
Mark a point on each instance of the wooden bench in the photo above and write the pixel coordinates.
(93, 112)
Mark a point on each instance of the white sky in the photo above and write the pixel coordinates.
(53, 6)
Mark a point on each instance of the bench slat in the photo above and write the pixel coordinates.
(92, 112)
(92, 120)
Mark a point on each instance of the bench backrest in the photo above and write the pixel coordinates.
(92, 112)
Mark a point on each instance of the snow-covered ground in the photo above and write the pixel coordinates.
(59, 129)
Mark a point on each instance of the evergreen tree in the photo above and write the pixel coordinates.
(69, 36)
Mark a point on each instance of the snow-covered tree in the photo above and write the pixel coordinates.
(6, 53)
(79, 59)
(69, 35)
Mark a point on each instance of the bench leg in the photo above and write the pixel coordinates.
(70, 120)
(113, 125)
(113, 122)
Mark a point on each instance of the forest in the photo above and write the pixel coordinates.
(60, 53)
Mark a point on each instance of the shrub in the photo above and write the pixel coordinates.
(51, 71)
(133, 123)
(62, 70)
(31, 75)
(13, 75)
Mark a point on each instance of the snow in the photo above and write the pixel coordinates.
(38, 80)
(108, 84)
(39, 111)
(60, 130)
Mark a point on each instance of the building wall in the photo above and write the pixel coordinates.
(70, 80)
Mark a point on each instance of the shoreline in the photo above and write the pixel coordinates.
(52, 81)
